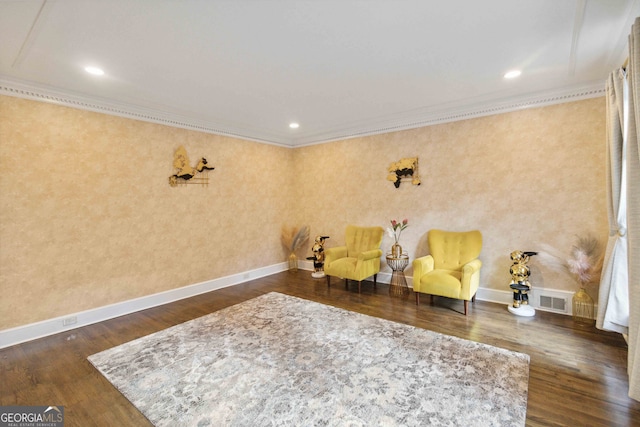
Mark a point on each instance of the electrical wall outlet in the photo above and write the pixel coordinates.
(70, 321)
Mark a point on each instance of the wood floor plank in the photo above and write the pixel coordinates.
(577, 373)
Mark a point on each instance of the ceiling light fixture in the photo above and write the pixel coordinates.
(512, 74)
(294, 125)
(94, 70)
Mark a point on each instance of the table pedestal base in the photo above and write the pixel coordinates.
(398, 286)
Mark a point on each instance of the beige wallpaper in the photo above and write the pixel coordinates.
(523, 179)
(88, 219)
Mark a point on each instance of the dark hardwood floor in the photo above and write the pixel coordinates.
(577, 375)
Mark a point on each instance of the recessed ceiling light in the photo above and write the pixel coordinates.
(512, 74)
(294, 125)
(94, 70)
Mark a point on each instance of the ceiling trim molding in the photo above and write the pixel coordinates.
(423, 118)
(34, 92)
(403, 121)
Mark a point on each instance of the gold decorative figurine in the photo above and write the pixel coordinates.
(318, 257)
(520, 284)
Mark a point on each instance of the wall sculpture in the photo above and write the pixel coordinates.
(185, 174)
(404, 168)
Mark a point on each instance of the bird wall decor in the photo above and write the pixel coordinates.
(185, 174)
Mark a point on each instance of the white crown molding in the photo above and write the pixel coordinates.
(29, 90)
(463, 110)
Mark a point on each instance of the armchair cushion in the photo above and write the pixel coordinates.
(359, 258)
(453, 268)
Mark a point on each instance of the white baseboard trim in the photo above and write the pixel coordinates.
(494, 295)
(499, 296)
(506, 297)
(383, 277)
(20, 334)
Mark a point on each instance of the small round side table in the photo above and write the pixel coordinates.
(398, 285)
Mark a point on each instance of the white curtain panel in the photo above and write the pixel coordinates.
(619, 304)
(613, 306)
(633, 210)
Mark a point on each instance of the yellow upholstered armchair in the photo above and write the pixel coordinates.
(453, 268)
(358, 259)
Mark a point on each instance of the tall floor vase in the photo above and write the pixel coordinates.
(293, 262)
(582, 307)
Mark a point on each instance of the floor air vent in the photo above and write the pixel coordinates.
(553, 303)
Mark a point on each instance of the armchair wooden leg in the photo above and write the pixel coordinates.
(466, 307)
(375, 280)
(417, 297)
(328, 281)
(346, 283)
(473, 298)
(359, 284)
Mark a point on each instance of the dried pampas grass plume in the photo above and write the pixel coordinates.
(584, 261)
(551, 257)
(293, 238)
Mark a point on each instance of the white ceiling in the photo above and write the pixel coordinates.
(340, 68)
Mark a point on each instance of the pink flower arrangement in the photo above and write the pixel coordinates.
(396, 228)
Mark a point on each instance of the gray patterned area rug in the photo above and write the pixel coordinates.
(281, 360)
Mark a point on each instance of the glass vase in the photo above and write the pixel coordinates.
(293, 262)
